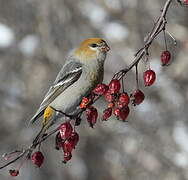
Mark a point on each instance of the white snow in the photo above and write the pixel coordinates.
(155, 64)
(180, 135)
(181, 159)
(115, 31)
(78, 169)
(95, 13)
(6, 36)
(29, 44)
(145, 107)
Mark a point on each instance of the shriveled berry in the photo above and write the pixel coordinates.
(84, 102)
(82, 105)
(13, 172)
(67, 156)
(65, 130)
(110, 105)
(165, 57)
(149, 77)
(137, 97)
(114, 86)
(124, 112)
(124, 99)
(106, 114)
(109, 97)
(91, 115)
(58, 141)
(37, 158)
(117, 112)
(100, 89)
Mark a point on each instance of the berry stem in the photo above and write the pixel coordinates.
(137, 82)
(164, 33)
(122, 81)
(172, 37)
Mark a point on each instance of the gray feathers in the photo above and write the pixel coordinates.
(69, 74)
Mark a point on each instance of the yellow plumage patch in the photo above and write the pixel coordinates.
(47, 114)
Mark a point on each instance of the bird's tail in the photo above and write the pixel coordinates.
(49, 118)
(37, 115)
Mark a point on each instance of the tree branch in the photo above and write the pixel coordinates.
(158, 27)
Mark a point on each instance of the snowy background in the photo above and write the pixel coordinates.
(35, 37)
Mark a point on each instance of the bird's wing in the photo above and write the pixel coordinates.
(69, 74)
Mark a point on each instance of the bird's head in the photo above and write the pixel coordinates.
(92, 48)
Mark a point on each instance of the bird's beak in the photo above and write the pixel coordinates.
(105, 48)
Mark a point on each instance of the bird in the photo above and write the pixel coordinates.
(82, 71)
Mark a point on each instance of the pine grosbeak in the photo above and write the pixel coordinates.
(82, 71)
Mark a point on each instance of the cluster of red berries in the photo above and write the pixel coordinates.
(117, 102)
(66, 139)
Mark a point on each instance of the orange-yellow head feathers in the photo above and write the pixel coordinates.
(91, 48)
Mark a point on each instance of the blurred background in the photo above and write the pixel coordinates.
(35, 37)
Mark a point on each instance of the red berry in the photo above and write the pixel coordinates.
(74, 138)
(67, 156)
(109, 97)
(13, 172)
(100, 89)
(58, 141)
(185, 1)
(91, 115)
(149, 77)
(117, 112)
(70, 143)
(114, 86)
(124, 99)
(124, 112)
(65, 130)
(106, 114)
(165, 57)
(37, 158)
(137, 97)
(67, 146)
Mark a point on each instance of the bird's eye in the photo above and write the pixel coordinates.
(93, 45)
